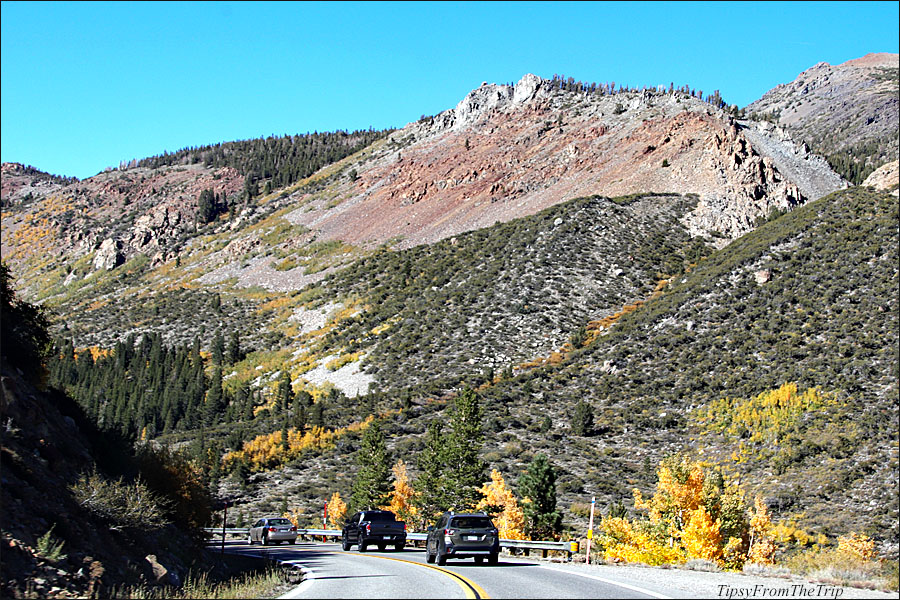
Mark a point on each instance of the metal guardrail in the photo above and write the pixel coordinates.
(525, 546)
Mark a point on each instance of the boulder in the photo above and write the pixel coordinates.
(109, 255)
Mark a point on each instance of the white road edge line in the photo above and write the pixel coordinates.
(633, 588)
(308, 576)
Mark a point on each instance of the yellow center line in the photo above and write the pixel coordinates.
(472, 590)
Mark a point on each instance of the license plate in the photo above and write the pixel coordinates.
(472, 538)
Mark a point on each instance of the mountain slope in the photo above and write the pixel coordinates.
(808, 298)
(847, 112)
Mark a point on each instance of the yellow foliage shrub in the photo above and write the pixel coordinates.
(403, 495)
(623, 541)
(267, 451)
(762, 547)
(337, 510)
(760, 423)
(857, 545)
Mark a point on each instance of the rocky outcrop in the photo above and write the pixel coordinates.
(146, 211)
(885, 178)
(109, 255)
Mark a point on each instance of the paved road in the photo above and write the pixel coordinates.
(333, 573)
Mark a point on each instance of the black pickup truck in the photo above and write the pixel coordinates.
(378, 527)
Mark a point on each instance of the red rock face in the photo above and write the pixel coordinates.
(518, 159)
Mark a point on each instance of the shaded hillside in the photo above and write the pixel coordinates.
(80, 511)
(848, 113)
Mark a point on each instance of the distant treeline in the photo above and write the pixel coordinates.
(606, 89)
(39, 175)
(143, 388)
(280, 161)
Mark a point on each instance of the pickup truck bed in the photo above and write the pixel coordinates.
(373, 527)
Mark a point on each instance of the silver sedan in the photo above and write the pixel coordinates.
(272, 530)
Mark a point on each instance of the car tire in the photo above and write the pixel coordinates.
(429, 557)
(361, 547)
(249, 540)
(382, 547)
(493, 557)
(265, 539)
(292, 542)
(398, 547)
(441, 558)
(479, 560)
(345, 543)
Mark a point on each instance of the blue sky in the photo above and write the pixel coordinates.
(86, 85)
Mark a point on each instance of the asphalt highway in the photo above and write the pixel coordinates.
(333, 573)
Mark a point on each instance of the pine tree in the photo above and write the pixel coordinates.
(430, 485)
(371, 487)
(285, 391)
(218, 348)
(214, 399)
(464, 471)
(583, 419)
(234, 354)
(538, 490)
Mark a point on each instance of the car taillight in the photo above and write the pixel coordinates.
(293, 529)
(273, 529)
(449, 531)
(368, 528)
(404, 527)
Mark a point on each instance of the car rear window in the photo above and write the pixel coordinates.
(279, 522)
(379, 516)
(472, 523)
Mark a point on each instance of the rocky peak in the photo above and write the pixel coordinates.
(485, 99)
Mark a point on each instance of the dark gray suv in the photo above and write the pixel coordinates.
(463, 535)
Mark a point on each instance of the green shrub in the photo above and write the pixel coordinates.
(49, 547)
(129, 505)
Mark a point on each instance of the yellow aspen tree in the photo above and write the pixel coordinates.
(762, 548)
(337, 510)
(701, 536)
(679, 492)
(402, 497)
(510, 519)
(293, 515)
